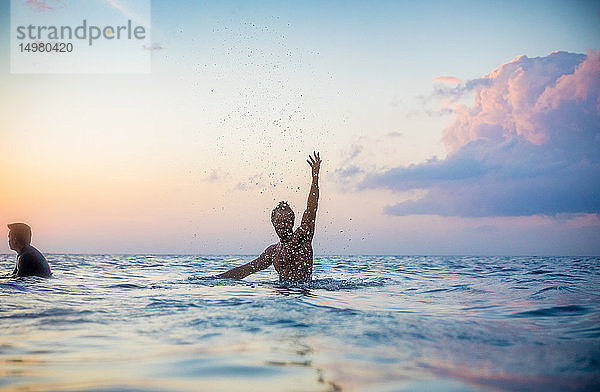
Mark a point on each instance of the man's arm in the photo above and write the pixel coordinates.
(307, 226)
(25, 265)
(260, 263)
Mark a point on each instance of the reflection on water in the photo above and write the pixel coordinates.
(291, 290)
(160, 323)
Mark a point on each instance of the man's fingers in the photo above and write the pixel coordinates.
(314, 159)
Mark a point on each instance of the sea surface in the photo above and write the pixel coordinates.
(365, 323)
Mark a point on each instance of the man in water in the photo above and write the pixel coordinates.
(292, 257)
(30, 262)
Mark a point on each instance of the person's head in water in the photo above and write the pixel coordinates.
(19, 236)
(282, 218)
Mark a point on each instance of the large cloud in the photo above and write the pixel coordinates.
(530, 144)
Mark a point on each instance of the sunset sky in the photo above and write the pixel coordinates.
(444, 127)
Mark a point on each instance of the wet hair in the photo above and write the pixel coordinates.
(282, 207)
(21, 232)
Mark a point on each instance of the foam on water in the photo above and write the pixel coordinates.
(381, 323)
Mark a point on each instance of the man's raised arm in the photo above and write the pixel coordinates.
(260, 263)
(308, 219)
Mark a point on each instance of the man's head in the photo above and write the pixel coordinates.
(19, 236)
(282, 218)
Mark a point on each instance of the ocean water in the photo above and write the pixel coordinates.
(365, 323)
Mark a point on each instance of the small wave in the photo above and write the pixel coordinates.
(125, 286)
(328, 284)
(455, 288)
(201, 279)
(560, 275)
(331, 284)
(290, 323)
(552, 288)
(211, 281)
(539, 272)
(53, 312)
(523, 281)
(519, 288)
(13, 284)
(482, 307)
(431, 291)
(170, 303)
(342, 310)
(228, 302)
(591, 333)
(555, 311)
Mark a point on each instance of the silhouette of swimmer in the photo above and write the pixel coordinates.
(292, 257)
(30, 262)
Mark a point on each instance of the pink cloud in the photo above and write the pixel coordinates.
(580, 85)
(583, 220)
(447, 79)
(519, 96)
(153, 47)
(41, 5)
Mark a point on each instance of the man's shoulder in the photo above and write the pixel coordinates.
(32, 262)
(272, 248)
(31, 254)
(300, 236)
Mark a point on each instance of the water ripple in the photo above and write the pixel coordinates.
(555, 311)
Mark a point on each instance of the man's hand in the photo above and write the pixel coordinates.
(315, 163)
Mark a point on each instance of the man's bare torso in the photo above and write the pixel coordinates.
(293, 259)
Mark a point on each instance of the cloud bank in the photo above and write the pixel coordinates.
(529, 145)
